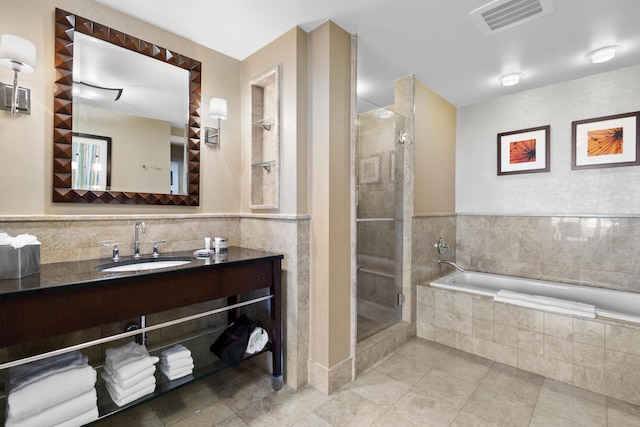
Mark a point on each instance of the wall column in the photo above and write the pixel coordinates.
(330, 364)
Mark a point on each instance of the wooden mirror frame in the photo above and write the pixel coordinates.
(65, 26)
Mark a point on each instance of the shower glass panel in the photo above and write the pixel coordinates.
(379, 218)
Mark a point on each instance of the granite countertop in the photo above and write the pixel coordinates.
(76, 273)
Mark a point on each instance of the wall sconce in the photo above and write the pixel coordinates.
(217, 110)
(18, 55)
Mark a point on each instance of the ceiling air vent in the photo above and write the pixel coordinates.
(500, 15)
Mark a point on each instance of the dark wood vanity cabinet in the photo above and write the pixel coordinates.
(68, 297)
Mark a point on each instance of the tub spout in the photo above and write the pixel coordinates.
(451, 263)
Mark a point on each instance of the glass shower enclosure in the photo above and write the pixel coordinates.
(379, 218)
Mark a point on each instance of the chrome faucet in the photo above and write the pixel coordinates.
(451, 263)
(136, 242)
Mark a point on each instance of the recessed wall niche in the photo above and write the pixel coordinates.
(265, 140)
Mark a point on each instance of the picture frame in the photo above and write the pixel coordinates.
(524, 151)
(91, 162)
(606, 142)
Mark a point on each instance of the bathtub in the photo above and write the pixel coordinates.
(612, 304)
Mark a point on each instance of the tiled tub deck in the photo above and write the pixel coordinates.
(599, 355)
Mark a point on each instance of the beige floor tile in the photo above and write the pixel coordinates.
(205, 416)
(390, 418)
(421, 409)
(544, 419)
(283, 408)
(464, 366)
(465, 419)
(513, 383)
(622, 414)
(232, 421)
(572, 404)
(140, 416)
(424, 351)
(349, 409)
(489, 405)
(311, 420)
(185, 402)
(445, 387)
(378, 388)
(405, 369)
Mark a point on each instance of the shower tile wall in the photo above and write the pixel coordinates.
(595, 251)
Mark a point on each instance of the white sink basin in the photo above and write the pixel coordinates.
(144, 264)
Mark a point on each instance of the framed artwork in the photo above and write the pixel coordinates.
(91, 162)
(605, 142)
(524, 151)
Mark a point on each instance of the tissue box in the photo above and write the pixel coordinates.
(21, 262)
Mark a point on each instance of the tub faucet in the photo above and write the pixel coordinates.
(136, 242)
(451, 263)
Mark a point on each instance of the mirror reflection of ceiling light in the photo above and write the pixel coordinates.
(603, 54)
(96, 93)
(510, 79)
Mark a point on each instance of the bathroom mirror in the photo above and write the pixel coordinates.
(101, 77)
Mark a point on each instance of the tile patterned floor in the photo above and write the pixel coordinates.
(421, 384)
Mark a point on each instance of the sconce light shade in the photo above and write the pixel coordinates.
(218, 111)
(218, 108)
(17, 54)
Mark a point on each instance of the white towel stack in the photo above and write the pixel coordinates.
(129, 373)
(176, 362)
(59, 390)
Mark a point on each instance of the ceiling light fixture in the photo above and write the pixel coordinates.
(603, 54)
(510, 79)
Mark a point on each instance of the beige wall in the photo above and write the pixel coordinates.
(289, 52)
(435, 145)
(330, 296)
(26, 147)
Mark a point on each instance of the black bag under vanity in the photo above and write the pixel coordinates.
(230, 346)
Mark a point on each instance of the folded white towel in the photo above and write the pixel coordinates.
(539, 302)
(128, 348)
(134, 367)
(24, 374)
(257, 340)
(175, 353)
(58, 413)
(175, 374)
(50, 390)
(177, 363)
(131, 398)
(125, 355)
(121, 393)
(108, 376)
(82, 419)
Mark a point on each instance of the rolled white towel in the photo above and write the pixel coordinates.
(133, 368)
(121, 393)
(546, 303)
(257, 340)
(49, 391)
(107, 375)
(175, 353)
(177, 363)
(131, 398)
(175, 374)
(82, 419)
(24, 374)
(58, 413)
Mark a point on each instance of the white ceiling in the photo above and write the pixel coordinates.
(435, 40)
